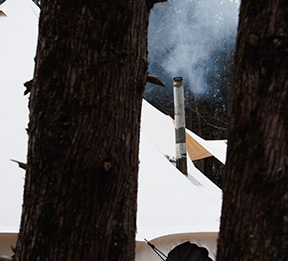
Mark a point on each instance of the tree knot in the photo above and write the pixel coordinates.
(107, 165)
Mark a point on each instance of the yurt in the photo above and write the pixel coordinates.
(176, 213)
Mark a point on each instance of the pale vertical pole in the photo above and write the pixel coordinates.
(180, 133)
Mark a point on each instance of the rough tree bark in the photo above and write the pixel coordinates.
(254, 223)
(85, 105)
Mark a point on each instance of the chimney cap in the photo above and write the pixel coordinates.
(177, 79)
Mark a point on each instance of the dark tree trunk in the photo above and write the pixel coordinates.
(85, 105)
(254, 223)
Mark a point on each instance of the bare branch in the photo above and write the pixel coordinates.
(21, 165)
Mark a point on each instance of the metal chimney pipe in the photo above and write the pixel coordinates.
(180, 133)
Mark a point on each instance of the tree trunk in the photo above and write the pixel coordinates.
(254, 223)
(85, 105)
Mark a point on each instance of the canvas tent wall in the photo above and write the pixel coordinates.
(18, 37)
(8, 238)
(171, 208)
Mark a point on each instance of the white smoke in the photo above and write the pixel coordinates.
(186, 32)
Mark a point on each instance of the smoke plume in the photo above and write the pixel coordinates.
(183, 34)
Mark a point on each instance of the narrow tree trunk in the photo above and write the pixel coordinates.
(254, 223)
(85, 105)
